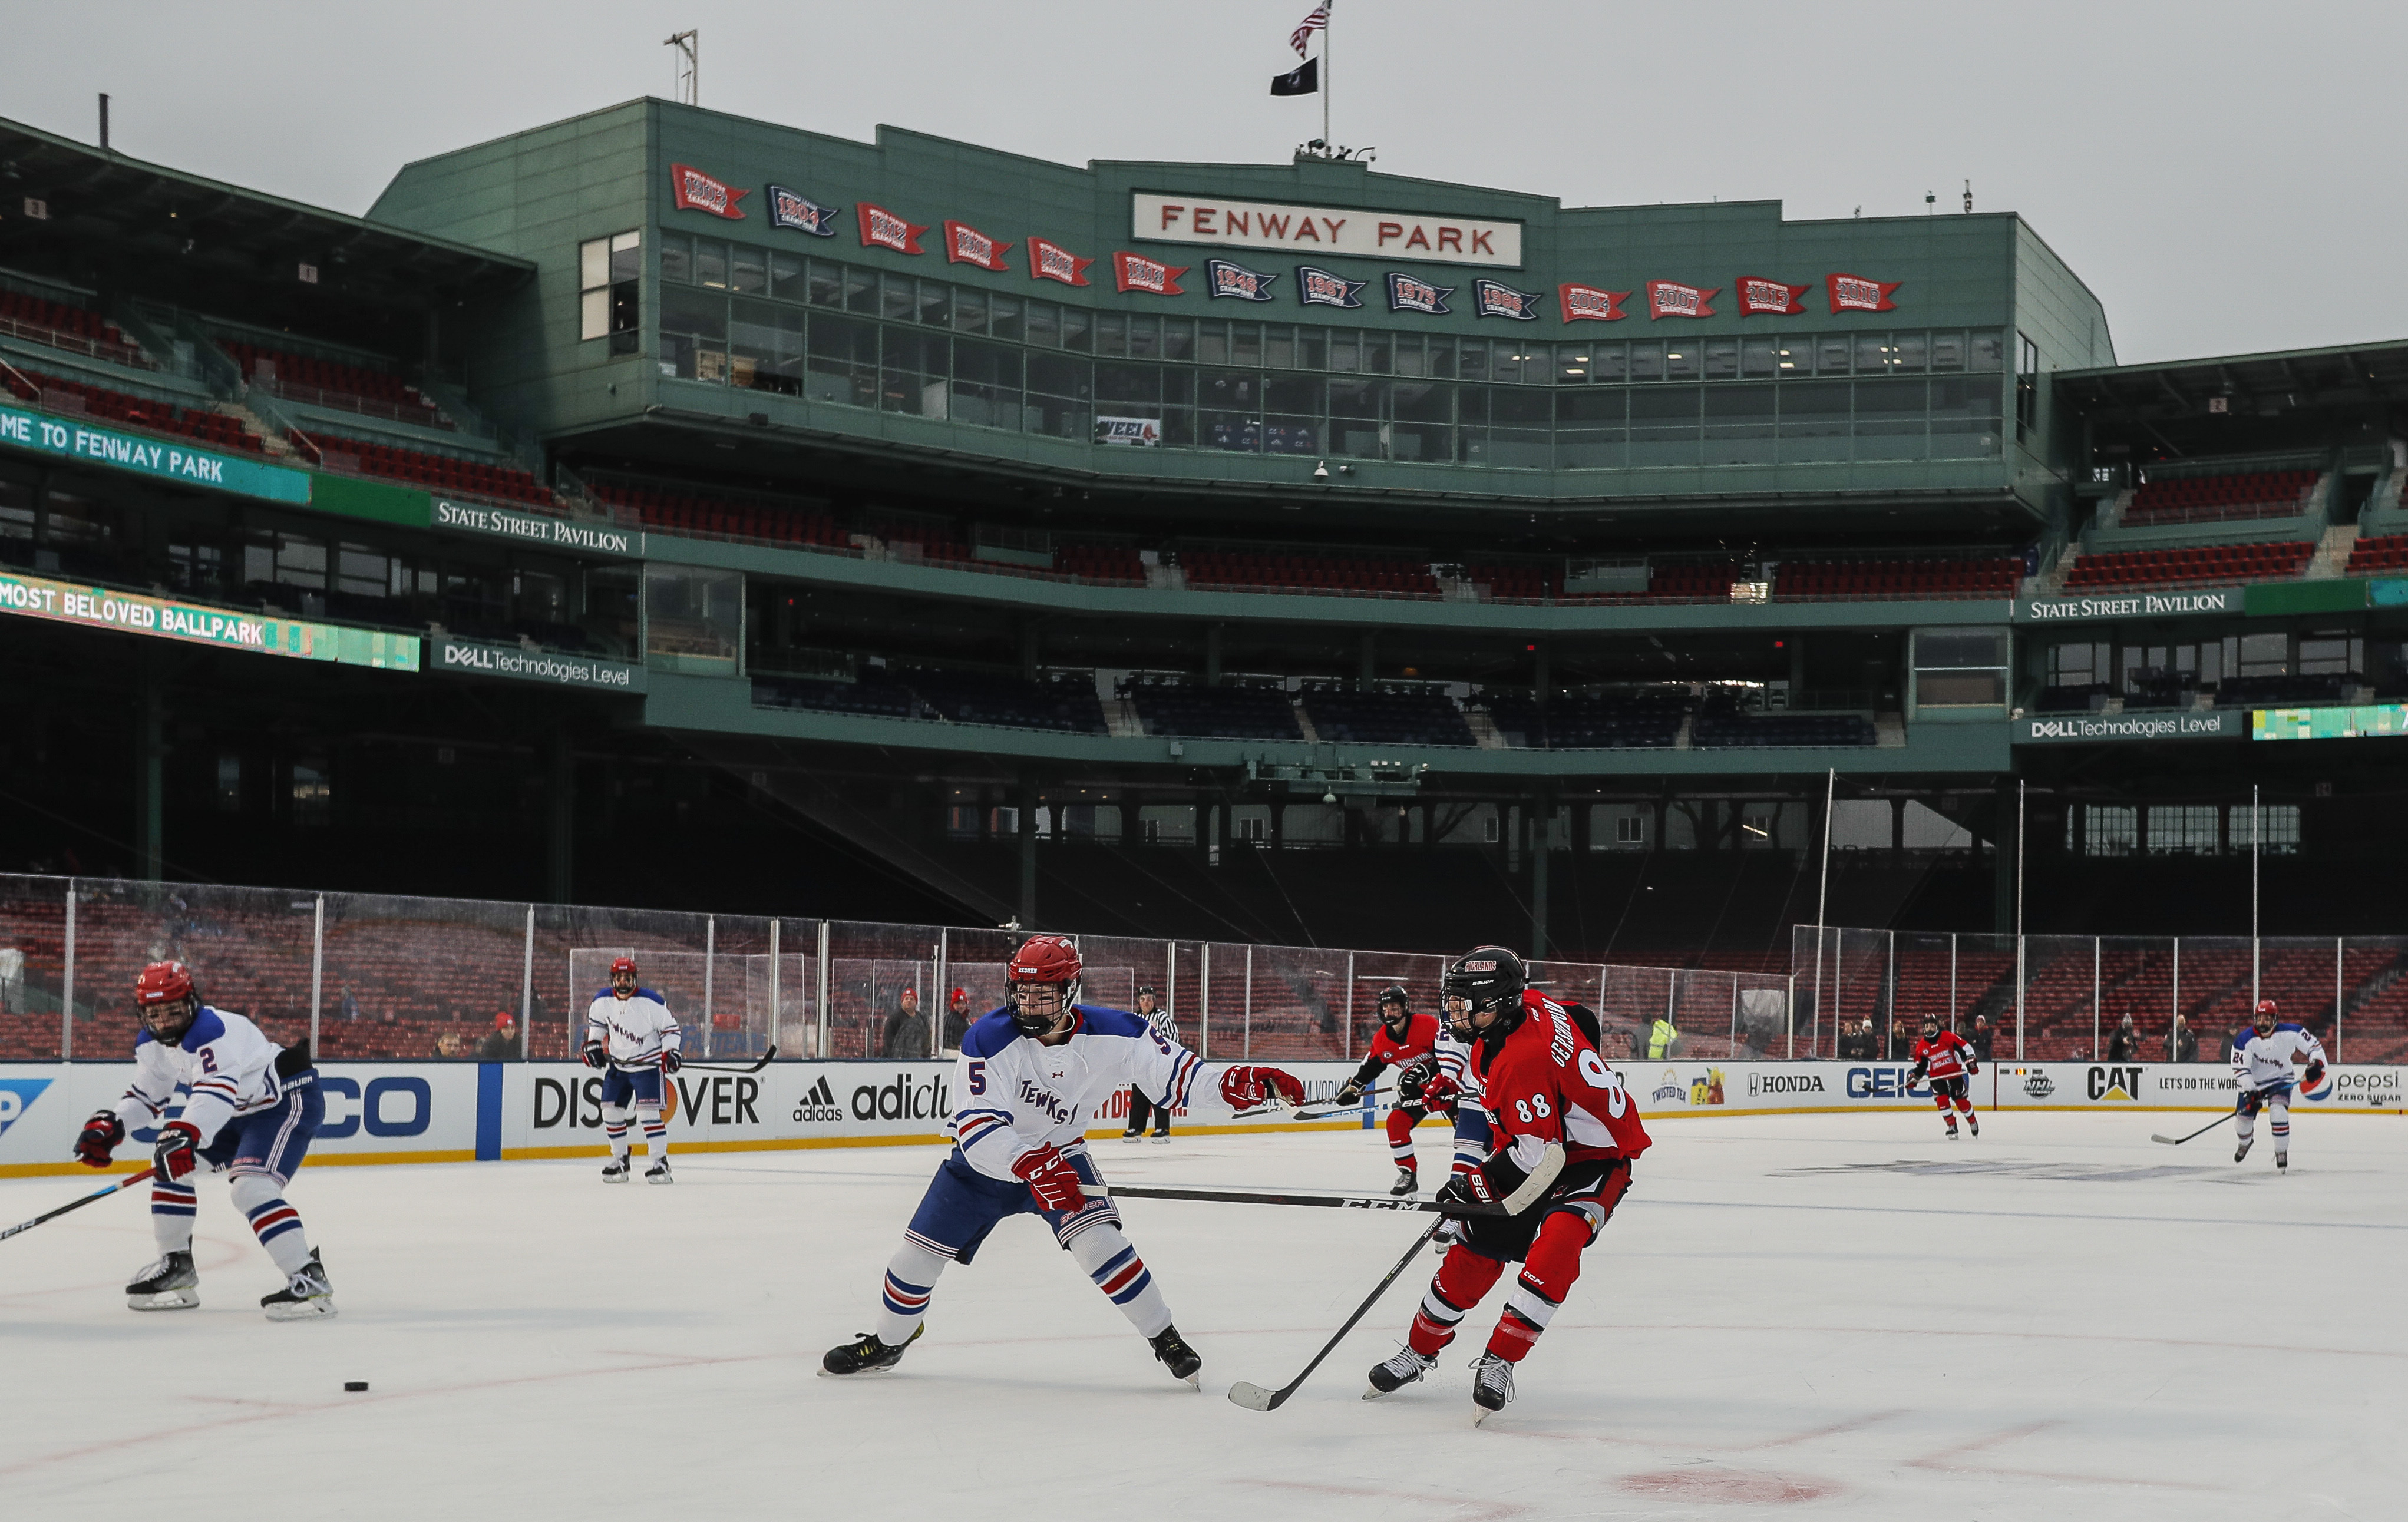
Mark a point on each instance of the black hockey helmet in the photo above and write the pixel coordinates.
(1930, 1026)
(1395, 995)
(1488, 977)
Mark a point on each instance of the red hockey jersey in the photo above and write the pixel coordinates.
(1547, 1084)
(1421, 1040)
(1947, 1055)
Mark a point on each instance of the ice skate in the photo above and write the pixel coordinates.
(167, 1284)
(1407, 1183)
(617, 1171)
(1161, 1138)
(659, 1173)
(1132, 1135)
(867, 1355)
(1974, 1126)
(1181, 1360)
(2282, 1162)
(1492, 1385)
(1396, 1373)
(1445, 1237)
(1952, 1130)
(2242, 1150)
(310, 1293)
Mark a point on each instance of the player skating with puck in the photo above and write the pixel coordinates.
(251, 1111)
(1947, 1058)
(1558, 1112)
(1030, 1075)
(632, 1039)
(2262, 1054)
(1404, 1039)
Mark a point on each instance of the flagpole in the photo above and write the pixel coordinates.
(1327, 29)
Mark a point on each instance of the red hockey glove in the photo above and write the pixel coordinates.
(671, 1061)
(1973, 1068)
(99, 1138)
(1439, 1093)
(1051, 1179)
(1256, 1087)
(174, 1156)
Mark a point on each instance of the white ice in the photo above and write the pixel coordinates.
(1823, 1316)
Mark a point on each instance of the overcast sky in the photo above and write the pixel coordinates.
(2225, 176)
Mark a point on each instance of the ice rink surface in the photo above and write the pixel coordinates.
(1818, 1315)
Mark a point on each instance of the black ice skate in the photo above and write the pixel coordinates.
(1134, 1133)
(2242, 1150)
(1975, 1126)
(310, 1293)
(1181, 1360)
(1492, 1385)
(867, 1356)
(618, 1170)
(2282, 1162)
(1952, 1130)
(1396, 1373)
(1407, 1183)
(659, 1173)
(1161, 1138)
(167, 1284)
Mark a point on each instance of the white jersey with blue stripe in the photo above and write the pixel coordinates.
(2264, 1062)
(1013, 1095)
(633, 1031)
(227, 1062)
(1455, 1060)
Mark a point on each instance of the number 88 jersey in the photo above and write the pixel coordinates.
(1545, 1083)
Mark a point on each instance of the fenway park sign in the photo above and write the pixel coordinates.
(1437, 237)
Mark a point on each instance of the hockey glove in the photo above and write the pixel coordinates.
(2315, 1076)
(1414, 1079)
(1051, 1179)
(1468, 1187)
(172, 1160)
(671, 1061)
(1971, 1069)
(1440, 1092)
(1914, 1074)
(99, 1139)
(593, 1056)
(1350, 1091)
(1257, 1088)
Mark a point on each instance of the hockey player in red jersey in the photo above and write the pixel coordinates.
(1948, 1058)
(1566, 1133)
(1403, 1040)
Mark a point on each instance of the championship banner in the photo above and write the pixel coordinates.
(1136, 272)
(1407, 293)
(1235, 281)
(1760, 297)
(792, 208)
(1670, 298)
(1855, 293)
(1494, 298)
(882, 229)
(1050, 261)
(967, 244)
(1319, 288)
(695, 191)
(1588, 304)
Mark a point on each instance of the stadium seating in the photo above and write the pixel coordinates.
(1676, 581)
(324, 383)
(438, 473)
(1067, 704)
(1523, 582)
(212, 428)
(2218, 563)
(1379, 577)
(71, 328)
(692, 513)
(1222, 712)
(1589, 722)
(874, 694)
(1721, 726)
(2383, 556)
(929, 541)
(1101, 562)
(2208, 499)
(1898, 578)
(1387, 718)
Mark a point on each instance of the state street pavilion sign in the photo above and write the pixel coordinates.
(536, 528)
(1436, 237)
(2138, 605)
(165, 460)
(197, 623)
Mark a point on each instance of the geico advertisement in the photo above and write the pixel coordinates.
(370, 1107)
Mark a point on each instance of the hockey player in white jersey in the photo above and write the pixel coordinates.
(2262, 1055)
(253, 1108)
(1028, 1078)
(632, 1039)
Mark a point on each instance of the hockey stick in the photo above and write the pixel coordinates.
(1525, 1195)
(1256, 1397)
(127, 1182)
(1305, 1111)
(758, 1063)
(2177, 1140)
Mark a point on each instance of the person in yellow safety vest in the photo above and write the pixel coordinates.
(1660, 1037)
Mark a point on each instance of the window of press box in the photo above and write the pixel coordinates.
(1960, 668)
(694, 619)
(2027, 385)
(609, 275)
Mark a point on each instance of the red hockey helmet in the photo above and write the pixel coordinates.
(165, 1000)
(623, 964)
(2267, 1014)
(1043, 962)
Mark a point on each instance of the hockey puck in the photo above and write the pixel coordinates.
(355, 1384)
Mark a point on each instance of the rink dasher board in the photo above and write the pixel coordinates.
(462, 1112)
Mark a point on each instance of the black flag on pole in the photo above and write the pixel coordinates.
(1305, 79)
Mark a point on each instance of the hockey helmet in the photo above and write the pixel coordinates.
(1487, 978)
(623, 964)
(1045, 961)
(1930, 1026)
(2267, 1014)
(165, 1000)
(1395, 995)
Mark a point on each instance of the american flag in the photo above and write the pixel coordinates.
(1318, 21)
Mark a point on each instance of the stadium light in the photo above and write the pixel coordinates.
(1321, 471)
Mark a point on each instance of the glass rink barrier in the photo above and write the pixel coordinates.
(2094, 998)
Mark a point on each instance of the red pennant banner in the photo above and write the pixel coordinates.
(1670, 298)
(882, 229)
(1135, 272)
(1855, 293)
(1758, 296)
(1050, 261)
(967, 244)
(1586, 303)
(698, 192)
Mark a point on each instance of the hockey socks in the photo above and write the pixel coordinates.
(276, 1224)
(171, 1216)
(903, 1301)
(1463, 1277)
(1400, 1136)
(614, 1126)
(1547, 1276)
(1112, 1263)
(656, 1134)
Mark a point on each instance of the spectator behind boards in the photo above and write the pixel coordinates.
(905, 1034)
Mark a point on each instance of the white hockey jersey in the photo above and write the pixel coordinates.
(228, 1063)
(1455, 1060)
(1013, 1095)
(633, 1031)
(2264, 1062)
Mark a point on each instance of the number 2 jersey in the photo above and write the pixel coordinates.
(1546, 1083)
(227, 1062)
(1013, 1094)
